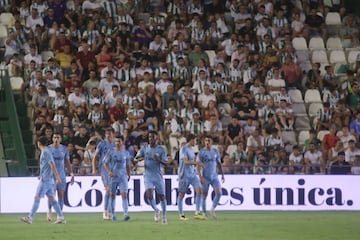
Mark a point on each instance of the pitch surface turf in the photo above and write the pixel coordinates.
(228, 225)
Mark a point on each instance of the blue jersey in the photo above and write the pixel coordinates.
(186, 171)
(210, 158)
(60, 154)
(117, 162)
(103, 149)
(46, 174)
(152, 167)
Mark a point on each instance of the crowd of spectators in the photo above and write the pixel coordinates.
(210, 67)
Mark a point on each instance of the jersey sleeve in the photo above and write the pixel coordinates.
(217, 156)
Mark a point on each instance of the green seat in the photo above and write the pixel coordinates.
(10, 153)
(27, 136)
(8, 140)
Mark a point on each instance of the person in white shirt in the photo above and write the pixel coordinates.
(314, 161)
(33, 55)
(163, 83)
(76, 99)
(34, 19)
(110, 98)
(106, 84)
(351, 152)
(296, 163)
(205, 97)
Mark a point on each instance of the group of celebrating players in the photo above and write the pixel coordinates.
(112, 161)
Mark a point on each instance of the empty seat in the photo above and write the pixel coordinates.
(295, 96)
(288, 137)
(337, 56)
(334, 43)
(299, 43)
(312, 95)
(314, 108)
(302, 55)
(299, 109)
(352, 56)
(316, 43)
(302, 123)
(305, 66)
(7, 19)
(303, 136)
(333, 18)
(319, 56)
(16, 83)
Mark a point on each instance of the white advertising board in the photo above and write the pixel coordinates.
(239, 192)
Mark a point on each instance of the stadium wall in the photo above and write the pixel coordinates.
(240, 192)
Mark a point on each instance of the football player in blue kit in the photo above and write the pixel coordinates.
(61, 158)
(154, 156)
(49, 178)
(117, 165)
(103, 149)
(187, 176)
(210, 157)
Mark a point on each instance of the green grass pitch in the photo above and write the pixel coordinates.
(228, 225)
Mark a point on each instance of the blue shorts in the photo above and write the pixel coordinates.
(121, 183)
(158, 184)
(62, 185)
(214, 182)
(105, 177)
(186, 182)
(45, 189)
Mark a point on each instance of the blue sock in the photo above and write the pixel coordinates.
(180, 205)
(197, 202)
(112, 205)
(203, 203)
(57, 209)
(106, 202)
(216, 199)
(163, 207)
(61, 203)
(34, 208)
(125, 206)
(153, 204)
(49, 205)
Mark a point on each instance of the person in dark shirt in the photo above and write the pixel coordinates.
(340, 167)
(80, 140)
(314, 24)
(234, 132)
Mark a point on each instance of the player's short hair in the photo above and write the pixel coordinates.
(190, 137)
(120, 137)
(43, 140)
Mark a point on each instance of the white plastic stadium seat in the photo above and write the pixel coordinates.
(337, 56)
(302, 123)
(316, 43)
(302, 55)
(299, 43)
(312, 95)
(288, 137)
(295, 96)
(333, 18)
(303, 136)
(334, 43)
(7, 19)
(16, 83)
(314, 108)
(319, 56)
(45, 55)
(299, 109)
(353, 54)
